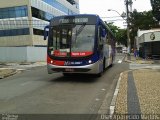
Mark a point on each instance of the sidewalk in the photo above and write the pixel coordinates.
(138, 91)
(8, 69)
(138, 60)
(5, 72)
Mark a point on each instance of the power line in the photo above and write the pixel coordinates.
(111, 17)
(116, 20)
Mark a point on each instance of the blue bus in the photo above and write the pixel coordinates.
(80, 43)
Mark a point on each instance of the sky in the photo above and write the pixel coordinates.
(100, 7)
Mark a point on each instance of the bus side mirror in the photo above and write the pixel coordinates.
(46, 30)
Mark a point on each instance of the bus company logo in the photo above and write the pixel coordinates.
(67, 63)
(152, 36)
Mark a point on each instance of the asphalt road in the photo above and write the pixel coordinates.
(35, 92)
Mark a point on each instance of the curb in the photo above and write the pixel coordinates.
(113, 102)
(126, 60)
(138, 61)
(14, 71)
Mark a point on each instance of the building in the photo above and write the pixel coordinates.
(22, 21)
(148, 42)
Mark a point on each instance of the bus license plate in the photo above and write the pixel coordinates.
(69, 70)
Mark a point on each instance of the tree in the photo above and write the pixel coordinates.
(156, 8)
(121, 34)
(122, 37)
(141, 20)
(138, 20)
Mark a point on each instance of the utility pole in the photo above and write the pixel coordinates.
(128, 33)
(128, 4)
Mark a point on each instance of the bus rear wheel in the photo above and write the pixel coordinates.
(104, 67)
(104, 64)
(111, 62)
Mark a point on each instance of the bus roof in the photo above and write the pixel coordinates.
(97, 17)
(77, 15)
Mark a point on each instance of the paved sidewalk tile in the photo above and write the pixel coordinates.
(121, 101)
(148, 89)
(139, 60)
(145, 96)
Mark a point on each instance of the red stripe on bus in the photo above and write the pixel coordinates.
(55, 62)
(81, 54)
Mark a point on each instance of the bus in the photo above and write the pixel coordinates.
(80, 43)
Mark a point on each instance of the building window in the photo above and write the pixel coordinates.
(41, 14)
(71, 2)
(58, 6)
(13, 12)
(37, 32)
(14, 32)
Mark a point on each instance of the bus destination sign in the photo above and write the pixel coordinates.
(75, 20)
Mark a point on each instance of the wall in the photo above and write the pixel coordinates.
(10, 3)
(39, 40)
(147, 37)
(22, 54)
(35, 54)
(22, 40)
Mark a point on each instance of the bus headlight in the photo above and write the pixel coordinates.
(51, 61)
(90, 61)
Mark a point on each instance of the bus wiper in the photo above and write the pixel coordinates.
(80, 29)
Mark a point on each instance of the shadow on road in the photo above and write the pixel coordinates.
(80, 78)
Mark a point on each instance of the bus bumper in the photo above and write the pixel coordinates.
(94, 68)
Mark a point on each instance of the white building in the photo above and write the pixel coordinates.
(148, 42)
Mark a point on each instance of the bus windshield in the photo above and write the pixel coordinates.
(71, 40)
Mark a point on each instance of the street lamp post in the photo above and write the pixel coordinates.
(121, 15)
(127, 21)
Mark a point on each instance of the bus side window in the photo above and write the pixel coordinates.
(100, 34)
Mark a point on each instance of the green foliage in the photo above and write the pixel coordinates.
(122, 37)
(138, 20)
(141, 20)
(156, 8)
(121, 34)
